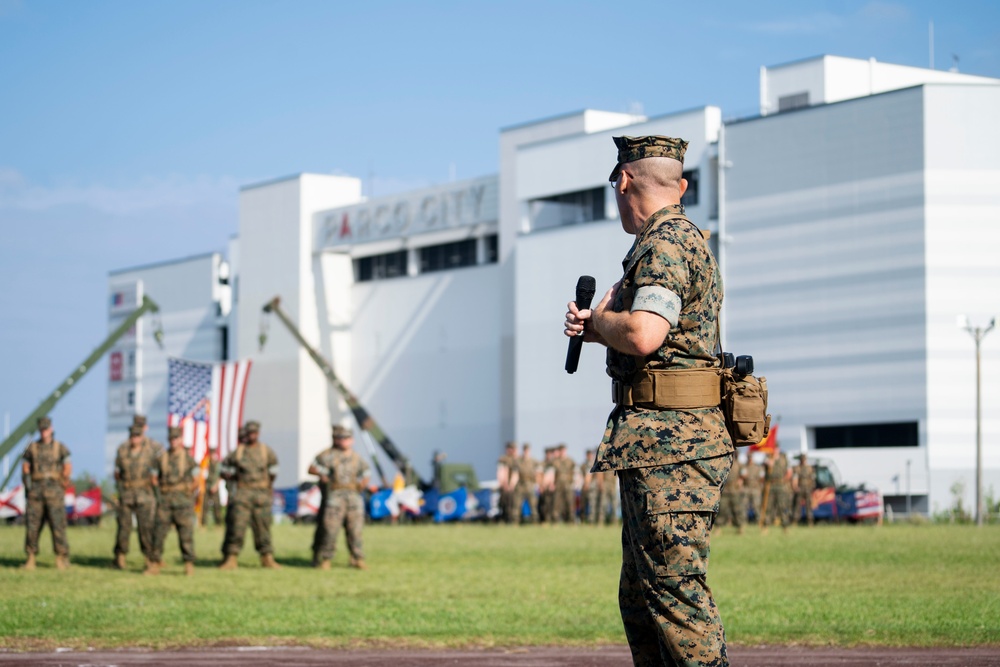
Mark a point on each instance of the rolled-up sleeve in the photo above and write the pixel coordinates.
(659, 300)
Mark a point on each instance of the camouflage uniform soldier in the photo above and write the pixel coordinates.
(733, 509)
(546, 486)
(527, 485)
(666, 437)
(135, 469)
(252, 466)
(779, 481)
(591, 490)
(753, 481)
(804, 483)
(46, 472)
(564, 500)
(212, 502)
(607, 496)
(344, 474)
(157, 447)
(176, 507)
(507, 477)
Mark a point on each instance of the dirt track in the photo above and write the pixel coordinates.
(517, 657)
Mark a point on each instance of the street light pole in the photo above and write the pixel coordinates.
(978, 333)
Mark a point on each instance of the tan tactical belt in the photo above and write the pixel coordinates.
(170, 488)
(139, 484)
(345, 487)
(254, 485)
(39, 476)
(673, 389)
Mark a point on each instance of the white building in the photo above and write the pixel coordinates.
(858, 217)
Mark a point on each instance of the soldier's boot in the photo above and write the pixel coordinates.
(119, 563)
(230, 563)
(358, 563)
(29, 563)
(62, 562)
(152, 568)
(267, 561)
(188, 568)
(323, 564)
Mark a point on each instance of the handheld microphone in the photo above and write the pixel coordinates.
(585, 288)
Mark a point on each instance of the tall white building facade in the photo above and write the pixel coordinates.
(855, 218)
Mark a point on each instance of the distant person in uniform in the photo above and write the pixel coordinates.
(589, 488)
(253, 467)
(779, 481)
(345, 475)
(803, 485)
(136, 463)
(547, 486)
(140, 420)
(526, 490)
(607, 496)
(176, 507)
(670, 447)
(212, 502)
(565, 498)
(753, 482)
(507, 477)
(733, 509)
(45, 473)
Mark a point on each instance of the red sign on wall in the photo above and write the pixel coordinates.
(116, 366)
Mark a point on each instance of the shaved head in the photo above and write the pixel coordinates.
(656, 174)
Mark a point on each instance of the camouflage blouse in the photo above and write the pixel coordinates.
(46, 461)
(252, 466)
(669, 271)
(344, 469)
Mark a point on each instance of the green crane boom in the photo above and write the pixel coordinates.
(27, 426)
(361, 415)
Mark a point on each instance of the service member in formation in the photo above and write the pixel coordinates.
(670, 447)
(753, 482)
(212, 502)
(607, 496)
(526, 490)
(136, 463)
(779, 490)
(176, 507)
(345, 475)
(140, 420)
(565, 499)
(252, 467)
(590, 490)
(507, 477)
(803, 484)
(547, 486)
(733, 508)
(45, 472)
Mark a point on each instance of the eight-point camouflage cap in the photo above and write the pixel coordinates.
(44, 423)
(134, 431)
(631, 149)
(139, 420)
(341, 432)
(175, 432)
(252, 427)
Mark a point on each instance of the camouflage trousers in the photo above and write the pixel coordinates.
(143, 506)
(779, 506)
(754, 499)
(343, 508)
(564, 505)
(175, 510)
(591, 507)
(802, 497)
(522, 494)
(546, 505)
(250, 507)
(667, 608)
(213, 504)
(607, 506)
(46, 503)
(733, 509)
(507, 506)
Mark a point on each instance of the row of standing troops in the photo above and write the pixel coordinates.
(545, 491)
(774, 491)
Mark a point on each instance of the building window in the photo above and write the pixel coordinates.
(690, 197)
(448, 256)
(866, 435)
(796, 101)
(567, 209)
(380, 267)
(491, 249)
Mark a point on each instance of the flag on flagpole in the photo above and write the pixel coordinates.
(206, 401)
(768, 444)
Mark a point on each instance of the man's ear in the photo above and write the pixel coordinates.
(684, 186)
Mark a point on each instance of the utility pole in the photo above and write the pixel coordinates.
(978, 333)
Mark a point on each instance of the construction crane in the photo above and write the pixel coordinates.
(27, 426)
(361, 415)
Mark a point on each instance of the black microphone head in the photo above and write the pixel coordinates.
(586, 286)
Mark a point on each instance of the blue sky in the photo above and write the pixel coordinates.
(126, 128)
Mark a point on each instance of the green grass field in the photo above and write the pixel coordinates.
(486, 585)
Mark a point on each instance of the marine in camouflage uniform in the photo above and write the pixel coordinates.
(590, 490)
(156, 446)
(176, 470)
(804, 483)
(507, 476)
(212, 502)
(753, 481)
(46, 471)
(546, 486)
(252, 466)
(672, 461)
(564, 502)
(526, 490)
(135, 468)
(607, 496)
(733, 508)
(344, 474)
(779, 482)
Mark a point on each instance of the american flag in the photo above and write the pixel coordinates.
(206, 400)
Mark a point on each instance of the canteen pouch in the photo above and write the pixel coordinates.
(744, 405)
